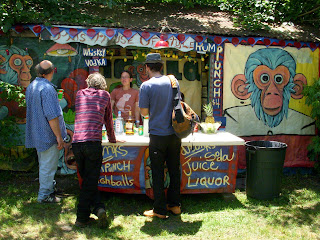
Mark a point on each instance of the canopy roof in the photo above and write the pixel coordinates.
(176, 19)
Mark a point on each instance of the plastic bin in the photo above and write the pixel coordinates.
(265, 161)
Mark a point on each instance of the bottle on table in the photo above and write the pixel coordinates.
(130, 124)
(119, 124)
(104, 132)
(136, 126)
(140, 130)
(114, 117)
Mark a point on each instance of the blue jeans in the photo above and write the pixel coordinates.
(89, 159)
(165, 149)
(48, 164)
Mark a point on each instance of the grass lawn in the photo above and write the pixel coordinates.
(294, 215)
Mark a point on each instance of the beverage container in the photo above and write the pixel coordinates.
(119, 124)
(136, 127)
(104, 132)
(140, 130)
(129, 125)
(114, 123)
(60, 93)
(146, 126)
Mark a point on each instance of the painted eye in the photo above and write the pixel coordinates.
(17, 62)
(278, 79)
(264, 78)
(29, 62)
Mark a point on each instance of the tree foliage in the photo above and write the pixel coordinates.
(312, 94)
(249, 14)
(9, 132)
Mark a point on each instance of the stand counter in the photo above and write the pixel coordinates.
(208, 164)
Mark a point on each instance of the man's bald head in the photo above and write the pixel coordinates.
(44, 68)
(45, 64)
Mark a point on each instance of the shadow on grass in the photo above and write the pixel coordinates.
(128, 204)
(173, 224)
(19, 191)
(200, 203)
(297, 204)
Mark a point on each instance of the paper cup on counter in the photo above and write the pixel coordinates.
(60, 93)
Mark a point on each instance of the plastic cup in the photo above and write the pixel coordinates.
(60, 93)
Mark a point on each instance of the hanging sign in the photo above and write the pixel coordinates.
(91, 52)
(64, 37)
(139, 41)
(205, 47)
(95, 61)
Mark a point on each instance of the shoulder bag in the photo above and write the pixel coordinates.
(184, 118)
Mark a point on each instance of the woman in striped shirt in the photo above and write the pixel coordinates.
(93, 109)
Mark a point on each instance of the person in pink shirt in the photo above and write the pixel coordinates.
(93, 109)
(126, 98)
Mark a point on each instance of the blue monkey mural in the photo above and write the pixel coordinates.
(269, 81)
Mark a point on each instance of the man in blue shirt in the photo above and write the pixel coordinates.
(156, 99)
(45, 128)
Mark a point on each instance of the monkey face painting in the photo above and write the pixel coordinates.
(271, 83)
(22, 65)
(270, 80)
(15, 65)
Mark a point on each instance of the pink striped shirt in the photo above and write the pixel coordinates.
(93, 109)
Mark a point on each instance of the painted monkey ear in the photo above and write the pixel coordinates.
(238, 87)
(2, 61)
(299, 80)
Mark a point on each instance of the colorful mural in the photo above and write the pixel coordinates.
(15, 65)
(255, 84)
(262, 95)
(71, 70)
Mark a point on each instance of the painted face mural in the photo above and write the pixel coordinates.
(270, 80)
(142, 75)
(22, 65)
(15, 66)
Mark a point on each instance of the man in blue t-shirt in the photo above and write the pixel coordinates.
(156, 99)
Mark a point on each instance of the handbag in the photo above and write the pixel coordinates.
(184, 118)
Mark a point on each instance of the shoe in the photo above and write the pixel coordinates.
(58, 192)
(51, 199)
(84, 224)
(151, 213)
(102, 218)
(175, 210)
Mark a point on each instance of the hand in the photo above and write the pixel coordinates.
(60, 143)
(121, 141)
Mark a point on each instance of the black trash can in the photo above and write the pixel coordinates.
(265, 161)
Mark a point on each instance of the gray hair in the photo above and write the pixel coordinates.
(97, 81)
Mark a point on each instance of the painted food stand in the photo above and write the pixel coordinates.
(208, 164)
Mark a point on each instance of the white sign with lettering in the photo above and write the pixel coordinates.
(99, 39)
(136, 40)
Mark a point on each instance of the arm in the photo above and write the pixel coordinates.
(54, 124)
(109, 123)
(137, 112)
(144, 100)
(112, 104)
(144, 111)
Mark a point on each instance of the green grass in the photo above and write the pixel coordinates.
(294, 215)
